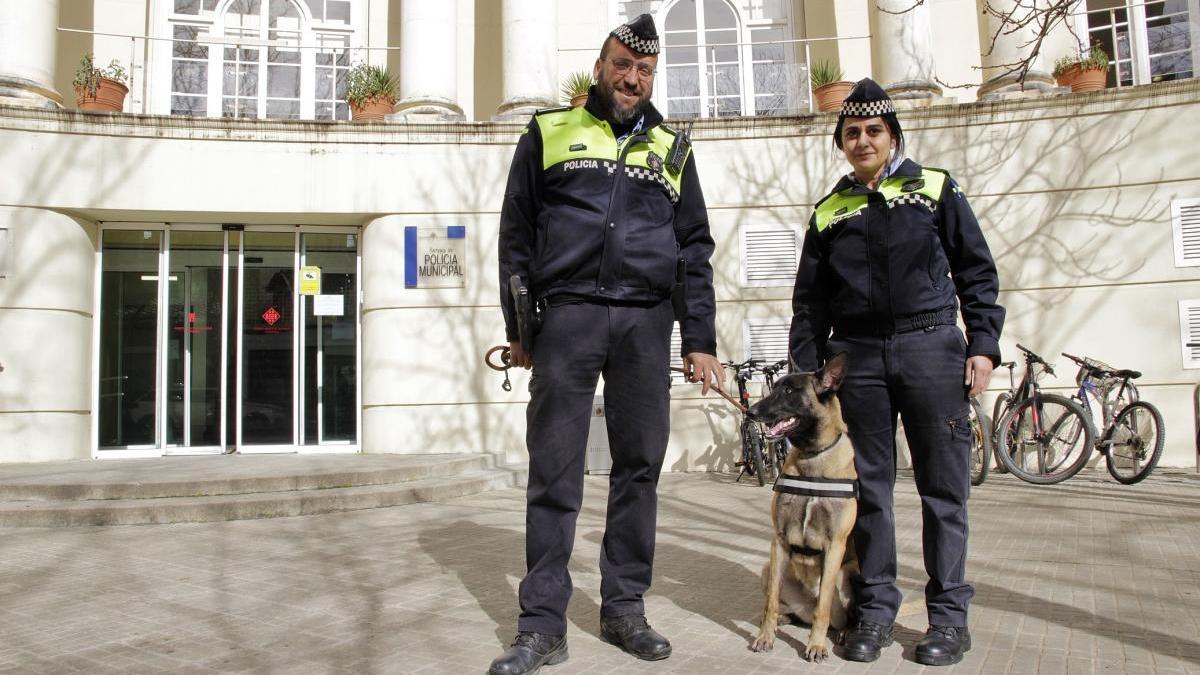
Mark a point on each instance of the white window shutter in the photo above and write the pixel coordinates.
(1189, 332)
(766, 339)
(676, 359)
(1185, 226)
(770, 254)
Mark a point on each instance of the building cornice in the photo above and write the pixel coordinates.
(1031, 107)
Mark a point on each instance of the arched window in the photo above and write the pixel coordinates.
(727, 58)
(278, 59)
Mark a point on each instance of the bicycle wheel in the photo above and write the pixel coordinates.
(1045, 443)
(998, 411)
(1134, 442)
(757, 445)
(981, 444)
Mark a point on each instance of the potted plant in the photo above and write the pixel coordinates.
(575, 88)
(1083, 72)
(828, 87)
(1065, 70)
(371, 93)
(100, 89)
(1093, 71)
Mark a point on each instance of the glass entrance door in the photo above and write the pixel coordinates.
(207, 345)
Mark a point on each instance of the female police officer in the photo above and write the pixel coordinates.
(889, 255)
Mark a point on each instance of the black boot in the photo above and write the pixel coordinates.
(634, 635)
(865, 641)
(529, 652)
(943, 645)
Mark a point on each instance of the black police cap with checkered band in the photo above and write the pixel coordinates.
(868, 99)
(640, 35)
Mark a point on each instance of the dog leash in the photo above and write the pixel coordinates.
(505, 364)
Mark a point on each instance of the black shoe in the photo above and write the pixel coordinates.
(943, 645)
(865, 641)
(529, 652)
(634, 635)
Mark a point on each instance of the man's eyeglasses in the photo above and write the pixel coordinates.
(622, 66)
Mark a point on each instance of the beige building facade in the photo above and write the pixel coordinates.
(229, 266)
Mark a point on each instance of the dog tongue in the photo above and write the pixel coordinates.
(779, 427)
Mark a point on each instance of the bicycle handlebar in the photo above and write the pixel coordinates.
(775, 367)
(1034, 358)
(748, 364)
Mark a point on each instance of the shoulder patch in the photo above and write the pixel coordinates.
(560, 108)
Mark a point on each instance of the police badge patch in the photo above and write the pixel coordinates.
(654, 162)
(913, 185)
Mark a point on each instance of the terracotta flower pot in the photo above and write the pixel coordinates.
(1092, 79)
(1065, 78)
(579, 99)
(830, 96)
(110, 97)
(373, 109)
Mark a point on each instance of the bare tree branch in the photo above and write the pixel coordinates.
(1037, 18)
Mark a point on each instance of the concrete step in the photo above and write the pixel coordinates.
(225, 488)
(227, 475)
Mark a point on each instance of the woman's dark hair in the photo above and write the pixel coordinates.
(893, 125)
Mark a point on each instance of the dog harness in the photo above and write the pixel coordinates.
(818, 487)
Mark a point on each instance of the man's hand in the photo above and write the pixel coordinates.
(519, 358)
(979, 373)
(705, 369)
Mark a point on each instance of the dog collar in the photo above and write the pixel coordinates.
(817, 487)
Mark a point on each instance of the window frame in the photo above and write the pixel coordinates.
(1139, 37)
(312, 34)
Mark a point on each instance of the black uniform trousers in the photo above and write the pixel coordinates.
(630, 346)
(918, 374)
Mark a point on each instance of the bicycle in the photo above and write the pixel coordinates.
(1001, 406)
(981, 442)
(1043, 438)
(778, 447)
(1133, 430)
(754, 439)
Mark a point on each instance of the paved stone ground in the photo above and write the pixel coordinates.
(1087, 576)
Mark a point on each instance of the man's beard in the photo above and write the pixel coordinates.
(608, 97)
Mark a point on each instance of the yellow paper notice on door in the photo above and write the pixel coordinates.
(310, 281)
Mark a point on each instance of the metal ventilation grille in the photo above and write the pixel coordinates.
(1189, 332)
(766, 339)
(676, 359)
(1185, 224)
(770, 254)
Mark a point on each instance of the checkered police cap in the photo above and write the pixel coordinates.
(640, 35)
(868, 99)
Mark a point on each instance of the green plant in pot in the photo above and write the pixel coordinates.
(100, 89)
(828, 87)
(575, 87)
(371, 92)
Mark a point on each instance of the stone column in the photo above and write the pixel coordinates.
(1000, 47)
(902, 49)
(28, 45)
(429, 60)
(530, 58)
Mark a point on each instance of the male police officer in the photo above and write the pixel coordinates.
(602, 220)
(888, 256)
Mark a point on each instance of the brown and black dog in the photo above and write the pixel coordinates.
(813, 510)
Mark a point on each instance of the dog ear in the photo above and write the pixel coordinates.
(832, 373)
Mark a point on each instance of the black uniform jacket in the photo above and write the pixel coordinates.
(587, 217)
(872, 258)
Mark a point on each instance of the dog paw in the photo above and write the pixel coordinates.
(816, 653)
(762, 643)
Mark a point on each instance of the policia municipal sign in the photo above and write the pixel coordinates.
(435, 257)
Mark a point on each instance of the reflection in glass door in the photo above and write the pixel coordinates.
(206, 345)
(267, 394)
(330, 340)
(195, 354)
(128, 334)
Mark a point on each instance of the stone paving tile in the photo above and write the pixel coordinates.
(1084, 577)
